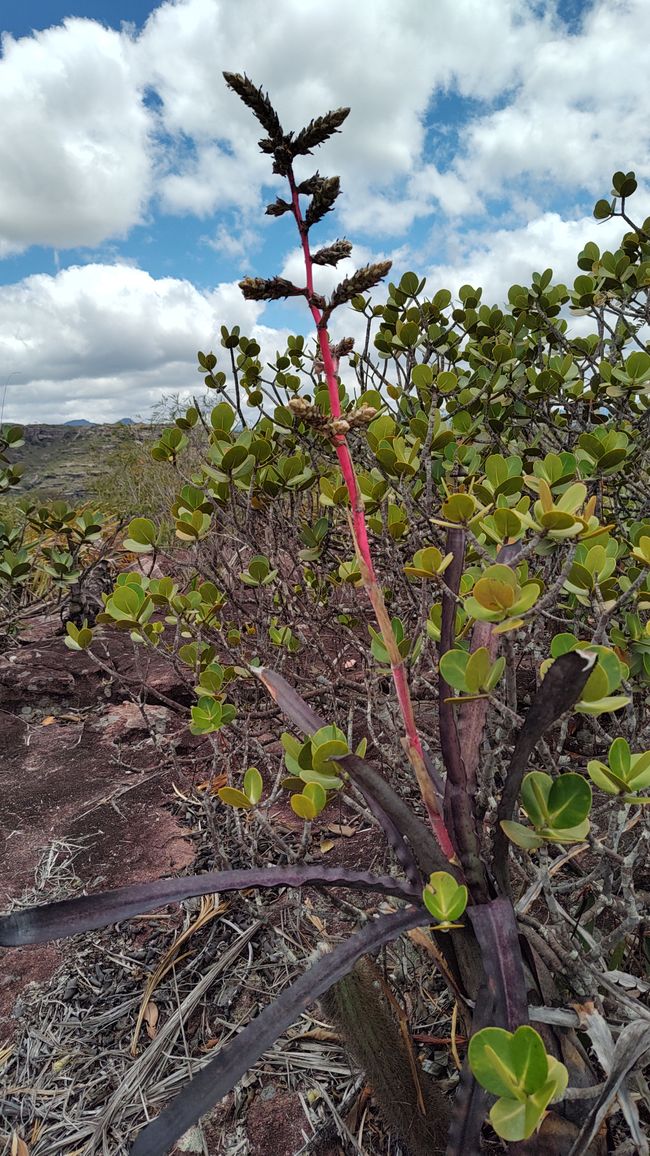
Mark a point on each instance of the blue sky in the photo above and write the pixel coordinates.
(132, 190)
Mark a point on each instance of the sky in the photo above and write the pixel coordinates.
(132, 191)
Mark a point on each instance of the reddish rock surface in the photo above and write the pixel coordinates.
(98, 779)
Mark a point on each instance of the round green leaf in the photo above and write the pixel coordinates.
(234, 798)
(569, 801)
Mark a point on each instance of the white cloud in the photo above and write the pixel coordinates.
(104, 129)
(384, 60)
(74, 153)
(105, 341)
(509, 256)
(578, 112)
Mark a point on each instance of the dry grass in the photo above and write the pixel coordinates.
(179, 984)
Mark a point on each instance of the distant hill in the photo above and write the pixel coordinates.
(83, 421)
(66, 460)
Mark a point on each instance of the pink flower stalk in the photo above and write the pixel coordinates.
(412, 742)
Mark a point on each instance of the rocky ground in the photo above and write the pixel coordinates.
(102, 786)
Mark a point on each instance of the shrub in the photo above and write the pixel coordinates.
(477, 478)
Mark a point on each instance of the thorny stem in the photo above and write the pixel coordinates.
(412, 742)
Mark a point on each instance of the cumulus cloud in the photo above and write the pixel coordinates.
(106, 341)
(510, 256)
(577, 113)
(383, 60)
(105, 129)
(75, 158)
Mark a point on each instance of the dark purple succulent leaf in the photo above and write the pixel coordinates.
(472, 1102)
(214, 1081)
(495, 927)
(72, 916)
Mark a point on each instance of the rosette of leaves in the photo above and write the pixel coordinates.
(78, 527)
(314, 537)
(349, 572)
(445, 899)
(78, 637)
(210, 715)
(593, 568)
(554, 469)
(570, 516)
(332, 490)
(499, 597)
(197, 655)
(503, 479)
(603, 452)
(314, 761)
(557, 809)
(606, 677)
(169, 445)
(505, 523)
(130, 607)
(15, 566)
(192, 513)
(190, 419)
(623, 774)
(61, 565)
(395, 521)
(213, 678)
(258, 572)
(428, 563)
(283, 637)
(373, 487)
(634, 372)
(250, 793)
(231, 462)
(313, 770)
(460, 509)
(474, 674)
(398, 455)
(515, 1067)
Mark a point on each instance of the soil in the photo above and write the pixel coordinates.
(93, 787)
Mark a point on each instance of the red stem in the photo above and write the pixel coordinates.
(360, 534)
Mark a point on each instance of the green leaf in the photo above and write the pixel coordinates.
(511, 1064)
(514, 1119)
(253, 784)
(303, 807)
(535, 791)
(453, 665)
(477, 670)
(141, 535)
(604, 705)
(234, 798)
(602, 210)
(444, 898)
(569, 801)
(619, 758)
(523, 837)
(316, 793)
(604, 778)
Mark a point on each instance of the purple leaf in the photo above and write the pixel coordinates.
(214, 1081)
(72, 916)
